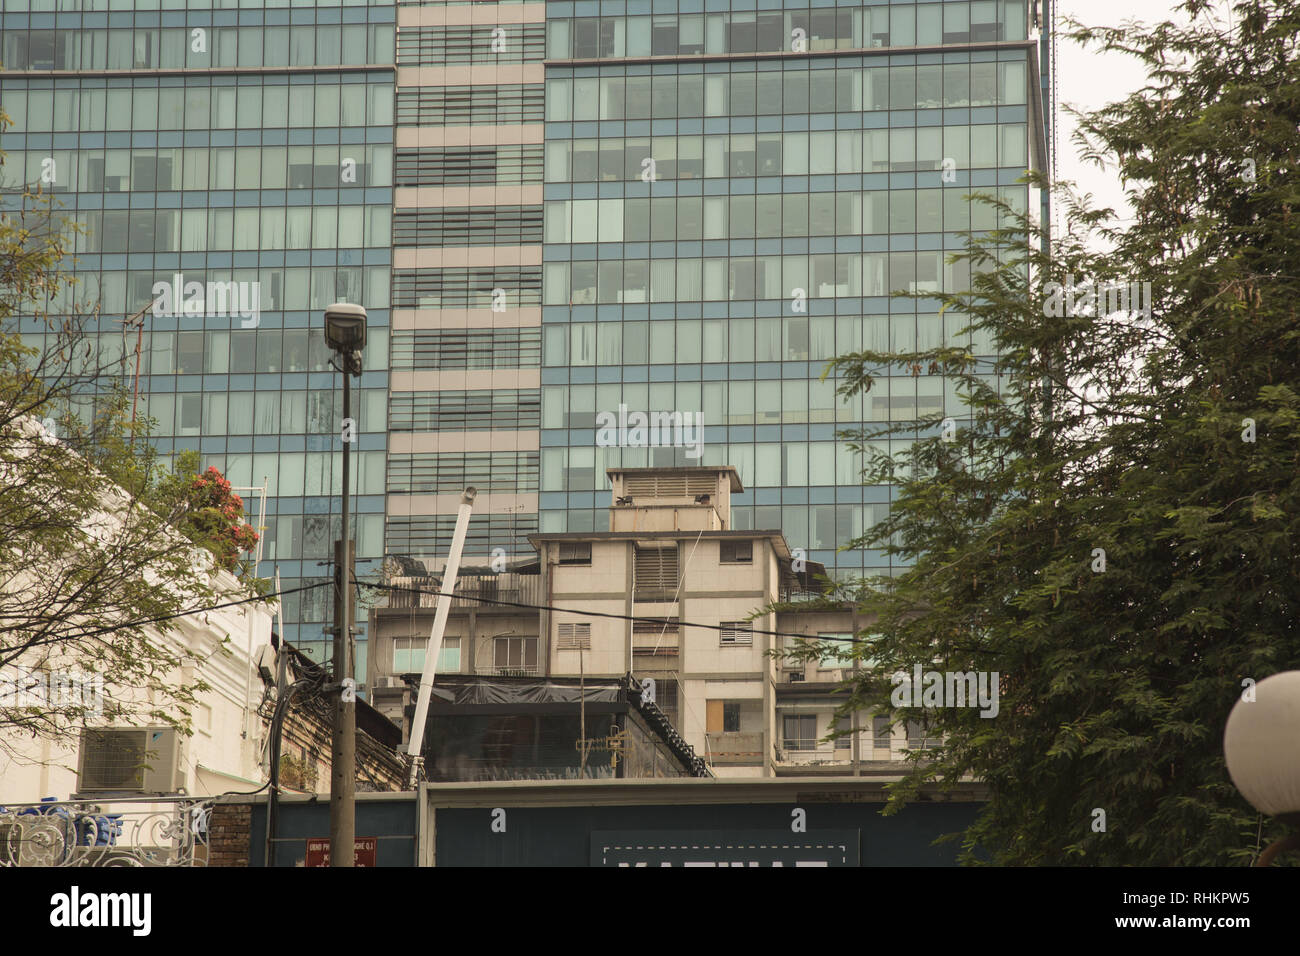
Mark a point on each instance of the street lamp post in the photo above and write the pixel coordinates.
(345, 333)
(1259, 746)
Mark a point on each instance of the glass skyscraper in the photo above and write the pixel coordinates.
(549, 210)
(227, 142)
(732, 191)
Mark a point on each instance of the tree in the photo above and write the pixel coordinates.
(99, 541)
(1111, 524)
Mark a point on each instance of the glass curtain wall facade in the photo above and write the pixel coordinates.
(228, 141)
(549, 210)
(732, 190)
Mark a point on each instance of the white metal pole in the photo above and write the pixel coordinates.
(439, 626)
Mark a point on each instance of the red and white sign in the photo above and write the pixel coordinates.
(318, 852)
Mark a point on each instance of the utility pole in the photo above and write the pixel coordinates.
(434, 646)
(343, 760)
(345, 333)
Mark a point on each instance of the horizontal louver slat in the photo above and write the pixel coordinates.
(438, 46)
(469, 226)
(480, 410)
(446, 473)
(459, 348)
(466, 288)
(656, 570)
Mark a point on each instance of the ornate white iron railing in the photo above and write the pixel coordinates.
(125, 831)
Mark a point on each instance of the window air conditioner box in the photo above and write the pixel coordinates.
(130, 760)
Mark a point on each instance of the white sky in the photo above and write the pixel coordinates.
(1087, 80)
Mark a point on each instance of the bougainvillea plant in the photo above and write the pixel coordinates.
(216, 518)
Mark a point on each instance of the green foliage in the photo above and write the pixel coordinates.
(1122, 433)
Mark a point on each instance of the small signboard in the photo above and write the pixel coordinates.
(318, 852)
(744, 848)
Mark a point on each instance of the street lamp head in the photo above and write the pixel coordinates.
(345, 327)
(1259, 746)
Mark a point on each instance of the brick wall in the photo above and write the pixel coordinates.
(228, 837)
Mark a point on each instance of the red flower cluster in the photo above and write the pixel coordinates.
(216, 516)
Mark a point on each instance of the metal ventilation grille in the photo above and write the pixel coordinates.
(470, 166)
(573, 637)
(737, 632)
(667, 625)
(113, 760)
(668, 486)
(655, 571)
(576, 553)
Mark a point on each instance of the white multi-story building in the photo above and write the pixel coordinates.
(224, 752)
(668, 594)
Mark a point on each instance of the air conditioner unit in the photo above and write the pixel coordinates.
(388, 682)
(130, 760)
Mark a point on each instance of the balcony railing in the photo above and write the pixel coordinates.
(148, 831)
(517, 670)
(734, 747)
(507, 587)
(801, 753)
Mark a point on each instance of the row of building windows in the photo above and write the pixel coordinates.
(409, 654)
(287, 289)
(153, 104)
(505, 287)
(760, 402)
(752, 277)
(790, 338)
(772, 216)
(501, 225)
(760, 465)
(796, 90)
(508, 104)
(951, 148)
(269, 413)
(275, 11)
(202, 168)
(450, 472)
(310, 537)
(797, 31)
(479, 43)
(264, 228)
(467, 349)
(491, 409)
(240, 352)
(310, 474)
(198, 47)
(741, 405)
(469, 166)
(741, 278)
